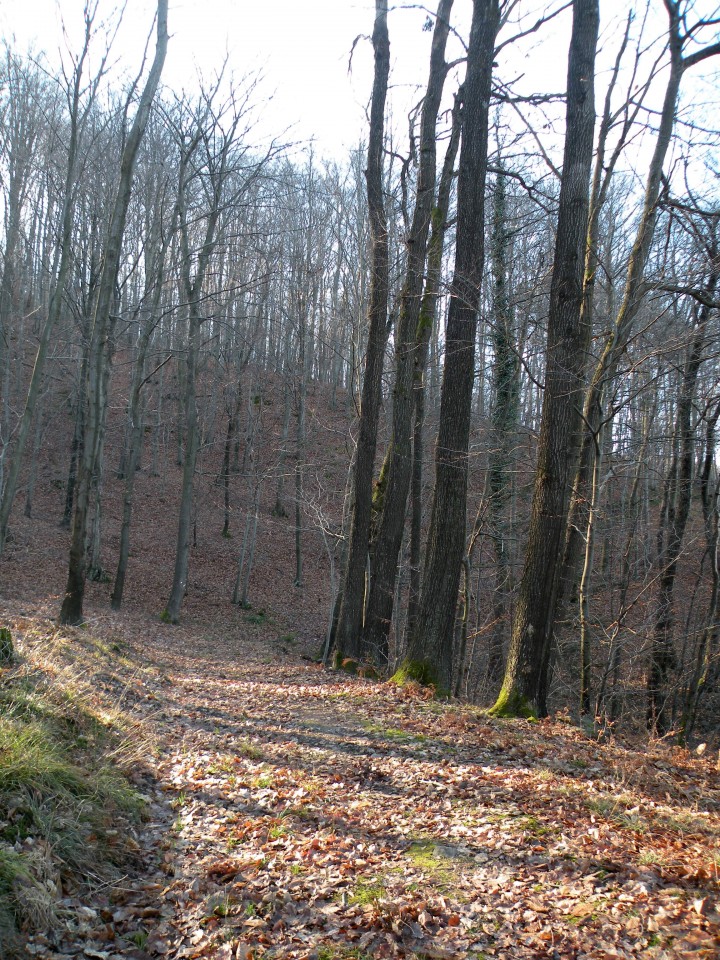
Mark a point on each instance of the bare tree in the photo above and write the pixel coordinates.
(103, 329)
(567, 346)
(388, 539)
(349, 625)
(216, 171)
(80, 95)
(429, 656)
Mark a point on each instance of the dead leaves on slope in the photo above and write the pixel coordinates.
(308, 818)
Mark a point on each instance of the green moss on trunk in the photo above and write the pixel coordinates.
(511, 703)
(417, 671)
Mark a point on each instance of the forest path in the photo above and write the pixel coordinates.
(299, 813)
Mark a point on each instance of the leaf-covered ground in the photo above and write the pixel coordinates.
(298, 813)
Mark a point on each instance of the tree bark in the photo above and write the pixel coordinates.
(567, 345)
(429, 656)
(388, 540)
(426, 323)
(673, 520)
(103, 330)
(505, 413)
(350, 620)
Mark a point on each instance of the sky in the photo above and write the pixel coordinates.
(300, 50)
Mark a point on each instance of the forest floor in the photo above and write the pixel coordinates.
(295, 812)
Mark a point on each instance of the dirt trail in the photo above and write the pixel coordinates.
(297, 813)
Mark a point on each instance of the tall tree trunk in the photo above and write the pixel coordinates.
(20, 134)
(158, 427)
(95, 570)
(135, 440)
(192, 436)
(674, 518)
(426, 323)
(350, 621)
(216, 166)
(634, 291)
(279, 508)
(586, 579)
(77, 441)
(567, 345)
(233, 414)
(704, 669)
(37, 444)
(61, 272)
(103, 331)
(388, 539)
(505, 414)
(615, 653)
(131, 464)
(429, 656)
(241, 591)
(299, 467)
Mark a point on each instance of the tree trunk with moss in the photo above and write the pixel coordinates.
(388, 539)
(350, 619)
(505, 414)
(567, 346)
(426, 323)
(430, 644)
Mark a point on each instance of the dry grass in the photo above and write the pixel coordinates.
(65, 734)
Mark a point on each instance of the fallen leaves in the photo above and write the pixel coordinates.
(294, 814)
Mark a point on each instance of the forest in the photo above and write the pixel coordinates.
(359, 514)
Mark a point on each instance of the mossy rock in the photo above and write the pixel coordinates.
(7, 651)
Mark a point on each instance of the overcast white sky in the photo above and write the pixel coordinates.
(301, 48)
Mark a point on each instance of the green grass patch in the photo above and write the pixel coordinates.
(303, 811)
(341, 953)
(368, 893)
(393, 733)
(439, 862)
(262, 782)
(535, 828)
(248, 750)
(618, 811)
(66, 809)
(257, 617)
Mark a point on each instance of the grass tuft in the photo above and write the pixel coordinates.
(66, 809)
